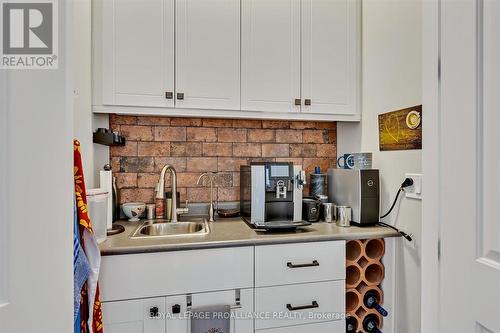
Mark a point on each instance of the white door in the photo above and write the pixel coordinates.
(134, 316)
(177, 322)
(469, 165)
(36, 172)
(270, 59)
(330, 56)
(207, 64)
(138, 52)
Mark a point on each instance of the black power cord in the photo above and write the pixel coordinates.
(402, 233)
(406, 183)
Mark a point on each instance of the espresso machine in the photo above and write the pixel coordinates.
(271, 195)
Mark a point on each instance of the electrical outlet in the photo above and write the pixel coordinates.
(414, 191)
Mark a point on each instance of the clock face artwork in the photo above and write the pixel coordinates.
(401, 129)
(413, 119)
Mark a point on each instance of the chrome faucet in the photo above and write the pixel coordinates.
(211, 178)
(160, 192)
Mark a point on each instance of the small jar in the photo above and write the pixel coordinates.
(160, 208)
(151, 210)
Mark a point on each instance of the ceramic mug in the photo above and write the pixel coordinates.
(355, 161)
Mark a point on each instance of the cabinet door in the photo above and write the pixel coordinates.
(270, 56)
(178, 322)
(330, 56)
(207, 54)
(137, 52)
(134, 316)
(326, 327)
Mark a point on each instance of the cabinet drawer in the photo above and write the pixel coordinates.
(297, 263)
(173, 273)
(299, 304)
(328, 327)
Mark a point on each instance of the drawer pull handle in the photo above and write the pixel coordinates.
(176, 309)
(153, 312)
(313, 305)
(313, 264)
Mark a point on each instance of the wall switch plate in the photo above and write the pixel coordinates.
(414, 191)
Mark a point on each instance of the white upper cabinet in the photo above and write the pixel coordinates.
(137, 52)
(294, 59)
(270, 55)
(207, 46)
(330, 56)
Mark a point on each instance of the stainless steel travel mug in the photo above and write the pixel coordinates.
(344, 216)
(328, 211)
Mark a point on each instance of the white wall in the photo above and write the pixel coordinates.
(85, 122)
(391, 81)
(38, 192)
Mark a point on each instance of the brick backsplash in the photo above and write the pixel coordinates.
(195, 145)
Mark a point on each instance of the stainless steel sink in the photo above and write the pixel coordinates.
(163, 228)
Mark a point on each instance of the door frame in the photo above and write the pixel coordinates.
(4, 240)
(431, 52)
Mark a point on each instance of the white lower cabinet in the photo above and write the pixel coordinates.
(271, 289)
(328, 327)
(134, 316)
(171, 314)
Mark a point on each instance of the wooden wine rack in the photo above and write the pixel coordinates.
(365, 271)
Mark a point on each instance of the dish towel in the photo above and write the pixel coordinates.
(81, 271)
(90, 304)
(213, 319)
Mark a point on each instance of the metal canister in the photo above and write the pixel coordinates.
(322, 199)
(328, 212)
(317, 184)
(151, 211)
(344, 216)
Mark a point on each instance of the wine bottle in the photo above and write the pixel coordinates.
(370, 324)
(372, 302)
(351, 325)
